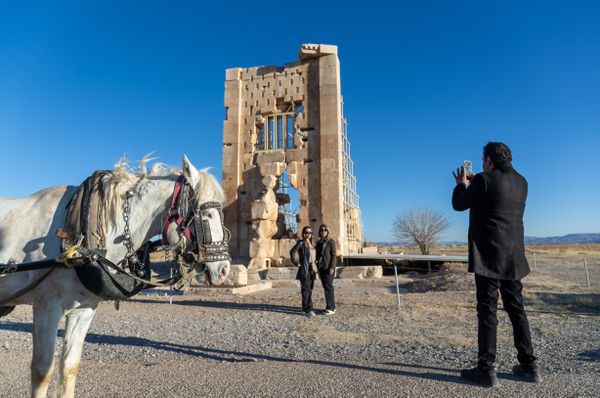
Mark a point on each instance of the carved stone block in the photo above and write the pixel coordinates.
(273, 168)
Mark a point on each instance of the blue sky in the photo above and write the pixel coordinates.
(425, 83)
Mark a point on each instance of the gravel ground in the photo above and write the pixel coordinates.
(260, 345)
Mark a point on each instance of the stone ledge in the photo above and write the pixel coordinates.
(242, 290)
(353, 272)
(375, 283)
(256, 287)
(281, 273)
(386, 282)
(360, 272)
(285, 284)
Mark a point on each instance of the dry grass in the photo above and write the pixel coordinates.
(591, 250)
(328, 335)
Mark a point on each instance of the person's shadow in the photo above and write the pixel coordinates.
(227, 305)
(436, 374)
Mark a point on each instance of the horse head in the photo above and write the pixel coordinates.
(196, 223)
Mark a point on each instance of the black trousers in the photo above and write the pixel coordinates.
(487, 301)
(306, 287)
(327, 281)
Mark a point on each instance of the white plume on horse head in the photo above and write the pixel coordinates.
(124, 176)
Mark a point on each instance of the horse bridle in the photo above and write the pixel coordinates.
(191, 221)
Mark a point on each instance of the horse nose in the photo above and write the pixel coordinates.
(219, 277)
(224, 271)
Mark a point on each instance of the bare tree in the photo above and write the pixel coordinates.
(422, 226)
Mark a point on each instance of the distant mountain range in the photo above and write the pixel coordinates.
(532, 240)
(570, 238)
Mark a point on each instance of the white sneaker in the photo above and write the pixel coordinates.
(329, 312)
(310, 314)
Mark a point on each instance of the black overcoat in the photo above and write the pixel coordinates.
(326, 254)
(496, 200)
(302, 260)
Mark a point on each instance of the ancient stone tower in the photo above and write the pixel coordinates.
(286, 157)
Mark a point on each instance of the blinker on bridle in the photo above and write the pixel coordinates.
(183, 199)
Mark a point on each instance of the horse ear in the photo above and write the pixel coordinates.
(189, 171)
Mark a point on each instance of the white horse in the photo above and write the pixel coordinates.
(27, 233)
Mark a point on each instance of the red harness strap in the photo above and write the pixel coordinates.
(174, 215)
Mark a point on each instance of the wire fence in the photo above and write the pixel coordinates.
(574, 280)
(582, 270)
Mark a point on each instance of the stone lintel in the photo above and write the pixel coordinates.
(274, 155)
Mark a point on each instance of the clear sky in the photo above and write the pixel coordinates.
(425, 83)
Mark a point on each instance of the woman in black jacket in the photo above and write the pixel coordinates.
(305, 260)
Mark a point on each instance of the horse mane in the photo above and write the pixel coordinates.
(124, 176)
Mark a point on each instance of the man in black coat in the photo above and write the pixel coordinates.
(496, 199)
(326, 261)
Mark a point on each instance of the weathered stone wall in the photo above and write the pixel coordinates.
(310, 87)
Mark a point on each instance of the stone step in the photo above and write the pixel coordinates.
(287, 273)
(241, 290)
(253, 288)
(384, 282)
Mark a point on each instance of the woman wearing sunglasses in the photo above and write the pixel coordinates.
(303, 255)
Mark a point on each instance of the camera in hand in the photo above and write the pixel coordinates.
(468, 165)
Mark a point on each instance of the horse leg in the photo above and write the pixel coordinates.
(46, 317)
(76, 327)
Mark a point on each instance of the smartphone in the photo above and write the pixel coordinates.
(468, 165)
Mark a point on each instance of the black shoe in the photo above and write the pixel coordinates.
(528, 373)
(484, 377)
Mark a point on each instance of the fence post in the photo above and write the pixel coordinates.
(171, 287)
(587, 274)
(534, 262)
(397, 287)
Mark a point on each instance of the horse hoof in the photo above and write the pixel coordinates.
(6, 310)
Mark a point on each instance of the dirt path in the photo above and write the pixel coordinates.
(261, 346)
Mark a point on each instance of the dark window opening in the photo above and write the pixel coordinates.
(276, 133)
(289, 207)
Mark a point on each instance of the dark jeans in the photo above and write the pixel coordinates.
(487, 301)
(306, 287)
(327, 281)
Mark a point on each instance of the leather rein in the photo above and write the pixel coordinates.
(194, 226)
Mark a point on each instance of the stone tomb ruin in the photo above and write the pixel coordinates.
(286, 158)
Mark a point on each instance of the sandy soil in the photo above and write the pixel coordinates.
(260, 345)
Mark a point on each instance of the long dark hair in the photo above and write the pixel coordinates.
(307, 227)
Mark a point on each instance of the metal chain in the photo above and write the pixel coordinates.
(11, 266)
(127, 242)
(167, 251)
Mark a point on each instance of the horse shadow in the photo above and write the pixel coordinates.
(589, 355)
(221, 305)
(200, 351)
(220, 355)
(16, 326)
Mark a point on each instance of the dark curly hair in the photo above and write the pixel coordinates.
(499, 153)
